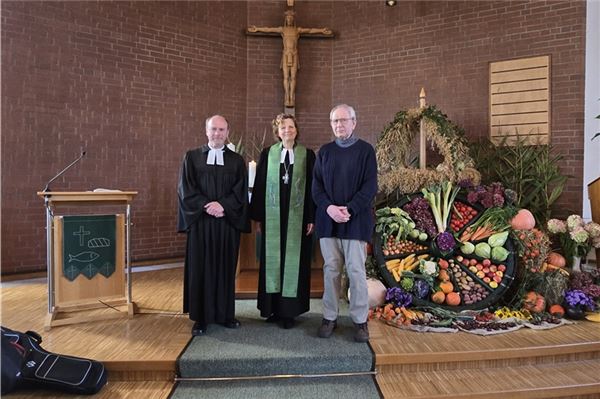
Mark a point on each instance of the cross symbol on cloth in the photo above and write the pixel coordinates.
(81, 233)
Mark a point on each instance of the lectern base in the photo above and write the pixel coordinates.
(89, 312)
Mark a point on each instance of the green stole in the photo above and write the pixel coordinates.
(273, 223)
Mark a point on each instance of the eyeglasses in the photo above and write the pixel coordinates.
(341, 120)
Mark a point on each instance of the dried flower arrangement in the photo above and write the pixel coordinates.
(393, 148)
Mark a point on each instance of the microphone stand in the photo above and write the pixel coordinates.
(49, 240)
(63, 171)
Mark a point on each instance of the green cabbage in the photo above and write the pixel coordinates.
(467, 248)
(498, 239)
(483, 250)
(499, 254)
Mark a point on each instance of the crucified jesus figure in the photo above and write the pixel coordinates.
(290, 33)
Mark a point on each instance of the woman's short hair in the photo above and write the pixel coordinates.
(278, 119)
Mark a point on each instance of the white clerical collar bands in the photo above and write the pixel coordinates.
(291, 152)
(215, 156)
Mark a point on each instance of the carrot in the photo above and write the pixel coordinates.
(466, 235)
(478, 233)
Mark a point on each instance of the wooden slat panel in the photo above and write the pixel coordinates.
(520, 75)
(507, 130)
(520, 99)
(519, 86)
(534, 139)
(534, 117)
(527, 107)
(517, 97)
(520, 63)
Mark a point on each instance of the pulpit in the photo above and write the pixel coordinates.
(88, 255)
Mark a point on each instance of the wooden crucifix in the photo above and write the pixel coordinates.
(290, 33)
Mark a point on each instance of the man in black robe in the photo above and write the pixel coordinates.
(213, 199)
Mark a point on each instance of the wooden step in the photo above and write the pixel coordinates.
(402, 350)
(112, 390)
(561, 380)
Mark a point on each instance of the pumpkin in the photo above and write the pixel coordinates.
(446, 287)
(444, 276)
(556, 310)
(438, 297)
(534, 302)
(453, 299)
(523, 220)
(556, 259)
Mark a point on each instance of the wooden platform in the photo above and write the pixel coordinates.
(140, 353)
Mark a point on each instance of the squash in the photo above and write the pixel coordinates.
(556, 259)
(439, 297)
(556, 310)
(523, 220)
(446, 287)
(534, 302)
(453, 299)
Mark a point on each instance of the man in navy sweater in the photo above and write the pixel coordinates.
(344, 187)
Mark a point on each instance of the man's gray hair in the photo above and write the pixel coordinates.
(347, 107)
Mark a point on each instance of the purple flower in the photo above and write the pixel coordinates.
(498, 199)
(487, 199)
(472, 197)
(465, 183)
(577, 298)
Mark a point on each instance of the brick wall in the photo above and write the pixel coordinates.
(383, 56)
(132, 82)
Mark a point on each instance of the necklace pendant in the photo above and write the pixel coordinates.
(285, 178)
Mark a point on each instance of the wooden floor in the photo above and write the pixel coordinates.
(140, 353)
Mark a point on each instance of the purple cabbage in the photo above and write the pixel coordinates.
(420, 289)
(420, 212)
(445, 241)
(398, 297)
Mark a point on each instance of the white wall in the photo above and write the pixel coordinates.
(591, 152)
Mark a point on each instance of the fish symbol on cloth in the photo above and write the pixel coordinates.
(84, 257)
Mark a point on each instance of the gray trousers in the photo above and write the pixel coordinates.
(353, 253)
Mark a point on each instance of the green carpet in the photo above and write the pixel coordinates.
(357, 387)
(264, 349)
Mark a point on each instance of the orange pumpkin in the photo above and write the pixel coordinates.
(444, 276)
(453, 299)
(523, 220)
(438, 297)
(534, 302)
(556, 310)
(556, 259)
(446, 287)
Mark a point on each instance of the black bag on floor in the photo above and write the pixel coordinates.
(25, 363)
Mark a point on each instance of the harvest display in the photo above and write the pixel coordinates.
(444, 250)
(457, 249)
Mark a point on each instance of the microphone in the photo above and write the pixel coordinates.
(47, 188)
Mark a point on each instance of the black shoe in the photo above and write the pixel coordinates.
(233, 323)
(288, 322)
(273, 318)
(327, 327)
(198, 329)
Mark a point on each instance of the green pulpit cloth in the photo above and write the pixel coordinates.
(89, 245)
(273, 223)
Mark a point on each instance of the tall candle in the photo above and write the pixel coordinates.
(251, 173)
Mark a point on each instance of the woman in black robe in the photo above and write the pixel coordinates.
(283, 294)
